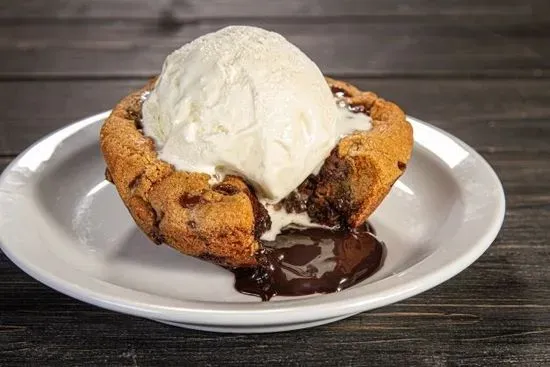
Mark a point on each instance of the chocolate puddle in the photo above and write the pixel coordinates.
(312, 260)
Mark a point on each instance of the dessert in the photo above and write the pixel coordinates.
(239, 140)
(312, 260)
(242, 101)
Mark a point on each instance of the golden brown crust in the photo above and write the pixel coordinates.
(374, 159)
(222, 223)
(180, 209)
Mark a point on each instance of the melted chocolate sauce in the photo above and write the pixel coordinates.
(313, 260)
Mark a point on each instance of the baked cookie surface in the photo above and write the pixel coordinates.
(362, 168)
(223, 222)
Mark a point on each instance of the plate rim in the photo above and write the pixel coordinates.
(266, 313)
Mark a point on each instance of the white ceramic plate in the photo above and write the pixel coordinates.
(63, 224)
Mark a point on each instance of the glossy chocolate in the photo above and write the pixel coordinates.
(313, 260)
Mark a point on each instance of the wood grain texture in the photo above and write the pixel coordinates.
(398, 335)
(490, 115)
(131, 49)
(224, 9)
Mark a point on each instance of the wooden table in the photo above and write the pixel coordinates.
(479, 71)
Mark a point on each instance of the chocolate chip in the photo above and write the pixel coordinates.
(262, 221)
(188, 201)
(135, 116)
(330, 200)
(157, 237)
(226, 189)
(296, 202)
(192, 224)
(401, 166)
(108, 176)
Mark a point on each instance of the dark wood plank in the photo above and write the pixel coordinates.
(196, 9)
(137, 49)
(54, 104)
(396, 335)
(491, 115)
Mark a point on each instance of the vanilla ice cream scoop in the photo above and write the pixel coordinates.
(243, 101)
